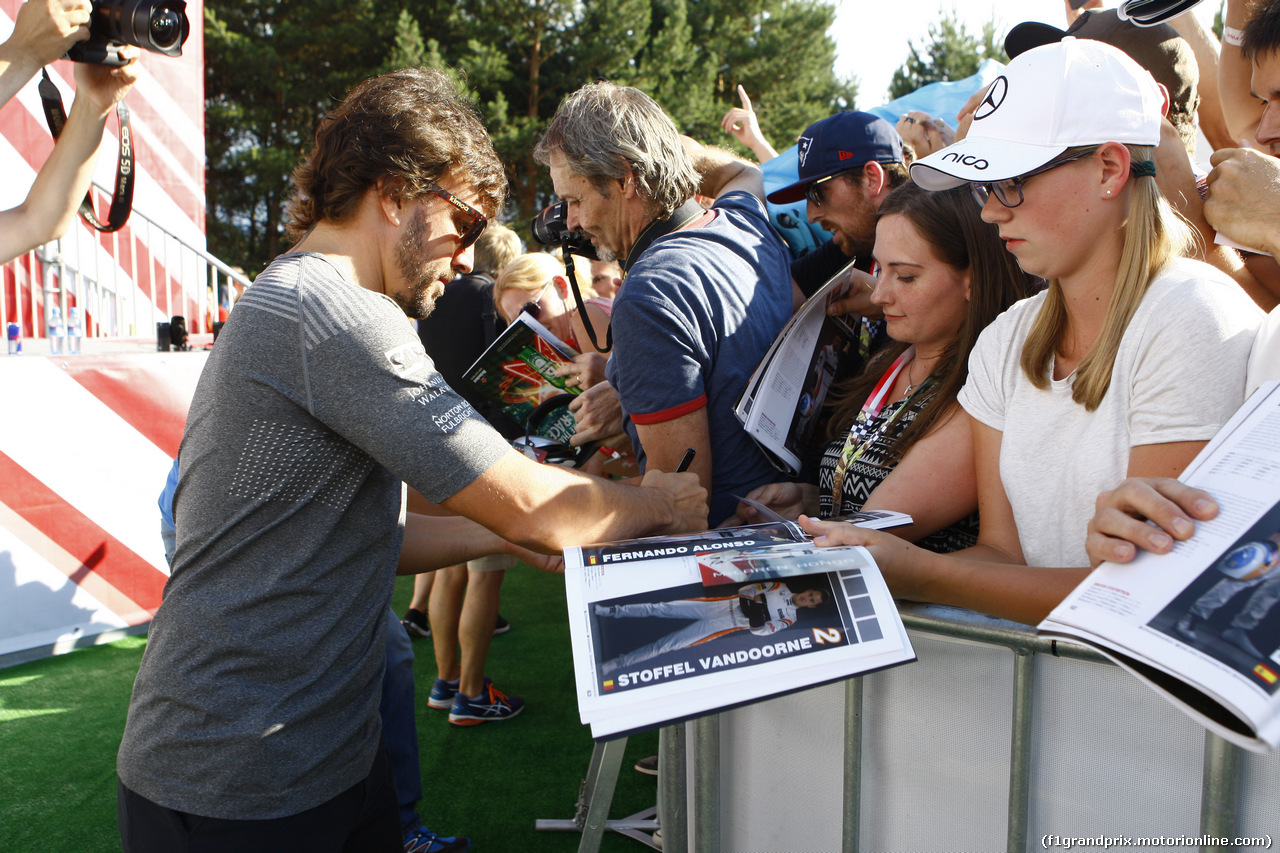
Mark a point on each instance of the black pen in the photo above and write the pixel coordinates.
(686, 461)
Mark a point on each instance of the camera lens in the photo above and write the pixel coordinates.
(166, 28)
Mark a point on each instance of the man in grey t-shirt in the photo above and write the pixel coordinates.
(254, 718)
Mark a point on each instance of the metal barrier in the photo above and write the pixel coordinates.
(124, 283)
(995, 739)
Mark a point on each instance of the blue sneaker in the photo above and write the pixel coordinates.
(419, 839)
(442, 693)
(490, 706)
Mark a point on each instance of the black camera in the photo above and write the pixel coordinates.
(160, 26)
(551, 228)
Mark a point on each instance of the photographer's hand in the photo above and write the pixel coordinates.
(50, 206)
(43, 31)
(99, 87)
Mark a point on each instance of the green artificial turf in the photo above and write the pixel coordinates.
(61, 720)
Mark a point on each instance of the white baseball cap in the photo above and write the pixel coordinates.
(1059, 96)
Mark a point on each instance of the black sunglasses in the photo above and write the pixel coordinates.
(478, 219)
(534, 307)
(1009, 191)
(813, 192)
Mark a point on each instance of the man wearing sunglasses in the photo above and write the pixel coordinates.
(706, 292)
(848, 163)
(254, 722)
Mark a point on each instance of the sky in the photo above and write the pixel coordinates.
(872, 35)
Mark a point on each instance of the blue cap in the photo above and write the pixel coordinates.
(843, 141)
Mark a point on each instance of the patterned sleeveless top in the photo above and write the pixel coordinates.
(870, 469)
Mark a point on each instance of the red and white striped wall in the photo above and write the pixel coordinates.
(123, 282)
(85, 446)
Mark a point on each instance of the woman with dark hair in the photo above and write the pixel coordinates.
(896, 441)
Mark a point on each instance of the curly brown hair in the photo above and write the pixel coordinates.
(401, 131)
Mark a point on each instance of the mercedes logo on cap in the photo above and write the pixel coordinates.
(995, 97)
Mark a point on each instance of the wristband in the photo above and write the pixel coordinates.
(1232, 36)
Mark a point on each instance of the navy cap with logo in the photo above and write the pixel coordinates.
(840, 142)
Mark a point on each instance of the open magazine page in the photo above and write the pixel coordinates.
(872, 519)
(652, 645)
(783, 399)
(517, 372)
(1207, 612)
(833, 286)
(746, 565)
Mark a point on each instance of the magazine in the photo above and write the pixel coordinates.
(517, 373)
(652, 645)
(872, 519)
(772, 562)
(1201, 624)
(781, 404)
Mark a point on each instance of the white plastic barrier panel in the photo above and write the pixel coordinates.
(1106, 759)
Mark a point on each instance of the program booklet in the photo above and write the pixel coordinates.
(1201, 624)
(517, 372)
(782, 401)
(653, 645)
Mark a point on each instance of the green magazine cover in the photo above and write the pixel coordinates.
(517, 372)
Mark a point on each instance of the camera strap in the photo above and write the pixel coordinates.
(582, 306)
(122, 199)
(682, 216)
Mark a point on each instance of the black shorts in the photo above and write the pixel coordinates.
(365, 817)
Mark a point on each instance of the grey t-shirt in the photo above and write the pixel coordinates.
(258, 692)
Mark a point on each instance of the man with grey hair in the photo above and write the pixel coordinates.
(706, 291)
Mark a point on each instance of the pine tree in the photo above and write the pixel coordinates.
(408, 50)
(950, 52)
(272, 69)
(689, 57)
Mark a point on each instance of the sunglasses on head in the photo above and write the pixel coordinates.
(478, 219)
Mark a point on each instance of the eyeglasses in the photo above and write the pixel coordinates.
(813, 192)
(1009, 191)
(534, 307)
(478, 219)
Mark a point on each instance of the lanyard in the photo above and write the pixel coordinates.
(682, 216)
(122, 198)
(855, 444)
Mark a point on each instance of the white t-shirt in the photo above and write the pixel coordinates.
(1178, 376)
(1264, 361)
